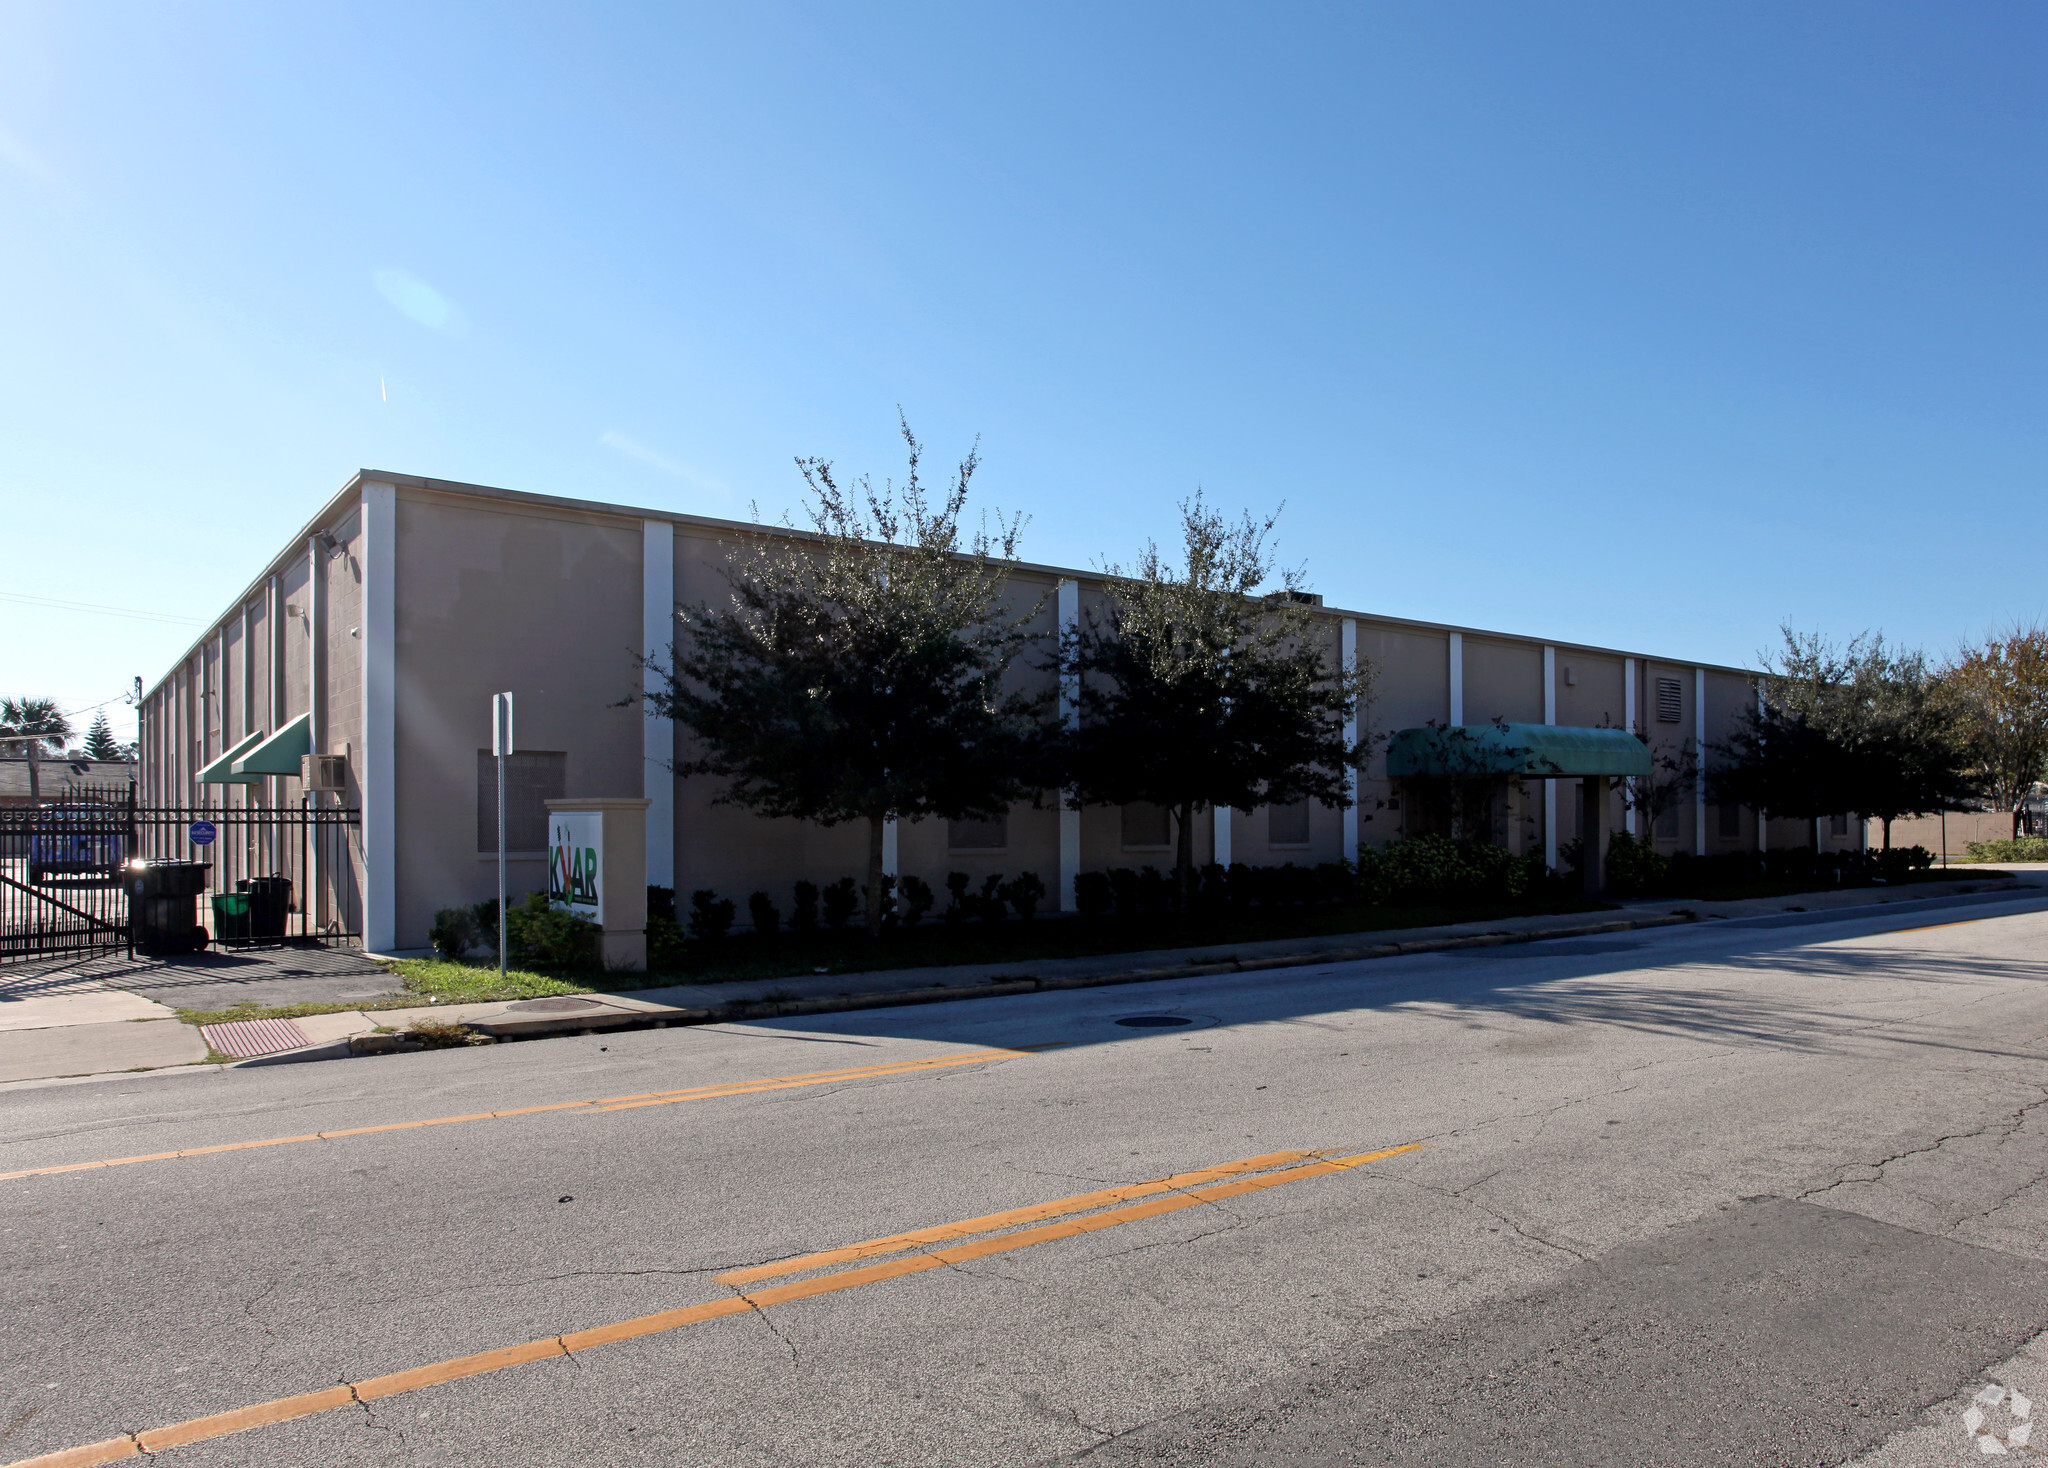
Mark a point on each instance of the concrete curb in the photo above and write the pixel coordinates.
(536, 1026)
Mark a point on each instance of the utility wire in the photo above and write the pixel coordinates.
(94, 607)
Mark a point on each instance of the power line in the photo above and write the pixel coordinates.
(97, 609)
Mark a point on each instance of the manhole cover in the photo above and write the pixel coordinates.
(553, 1006)
(1153, 1021)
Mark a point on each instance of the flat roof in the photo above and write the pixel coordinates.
(356, 481)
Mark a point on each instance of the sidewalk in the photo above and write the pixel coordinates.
(74, 1022)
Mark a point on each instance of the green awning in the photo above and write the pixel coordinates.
(221, 771)
(279, 754)
(1529, 750)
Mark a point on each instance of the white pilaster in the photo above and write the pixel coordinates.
(377, 768)
(889, 847)
(1069, 612)
(1628, 721)
(657, 735)
(1221, 835)
(1350, 658)
(1550, 786)
(1457, 678)
(1699, 754)
(1763, 830)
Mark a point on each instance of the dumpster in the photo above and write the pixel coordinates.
(162, 905)
(270, 899)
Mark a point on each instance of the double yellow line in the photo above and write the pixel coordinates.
(992, 1233)
(604, 1104)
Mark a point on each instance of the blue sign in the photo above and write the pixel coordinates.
(203, 833)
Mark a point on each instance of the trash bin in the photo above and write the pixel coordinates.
(231, 917)
(270, 899)
(162, 905)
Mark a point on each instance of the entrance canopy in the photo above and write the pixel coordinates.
(1541, 751)
(221, 770)
(279, 754)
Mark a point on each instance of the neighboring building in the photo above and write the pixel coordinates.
(62, 777)
(381, 634)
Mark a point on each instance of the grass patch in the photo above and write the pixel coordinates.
(475, 983)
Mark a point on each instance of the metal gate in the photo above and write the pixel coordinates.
(64, 864)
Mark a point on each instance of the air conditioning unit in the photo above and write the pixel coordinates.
(323, 771)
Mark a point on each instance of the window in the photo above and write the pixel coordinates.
(532, 778)
(1670, 702)
(1838, 825)
(1287, 825)
(1147, 827)
(1730, 817)
(979, 835)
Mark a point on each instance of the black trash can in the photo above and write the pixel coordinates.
(270, 899)
(163, 905)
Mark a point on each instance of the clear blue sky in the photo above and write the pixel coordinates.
(1618, 324)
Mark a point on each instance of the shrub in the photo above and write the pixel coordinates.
(2025, 848)
(990, 906)
(888, 900)
(762, 914)
(841, 899)
(805, 918)
(1336, 882)
(1155, 893)
(915, 899)
(1024, 892)
(1123, 889)
(1213, 895)
(665, 949)
(550, 937)
(710, 915)
(1092, 897)
(454, 932)
(1634, 869)
(959, 906)
(486, 915)
(661, 902)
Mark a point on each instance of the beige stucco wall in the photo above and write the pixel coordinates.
(497, 591)
(490, 597)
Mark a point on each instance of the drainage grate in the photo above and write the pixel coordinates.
(244, 1038)
(1153, 1021)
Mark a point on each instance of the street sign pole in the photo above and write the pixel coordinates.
(501, 745)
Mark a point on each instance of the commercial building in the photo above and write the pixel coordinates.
(380, 634)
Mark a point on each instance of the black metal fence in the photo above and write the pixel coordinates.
(65, 865)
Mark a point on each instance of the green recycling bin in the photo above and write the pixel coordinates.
(231, 922)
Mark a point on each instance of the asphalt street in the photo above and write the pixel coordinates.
(1729, 1193)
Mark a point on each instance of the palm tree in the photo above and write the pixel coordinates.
(36, 724)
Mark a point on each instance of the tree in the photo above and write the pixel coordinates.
(36, 721)
(1998, 695)
(33, 725)
(857, 671)
(100, 742)
(1857, 728)
(1198, 687)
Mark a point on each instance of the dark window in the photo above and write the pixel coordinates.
(978, 835)
(1838, 826)
(1730, 821)
(1670, 701)
(1287, 825)
(532, 778)
(1147, 826)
